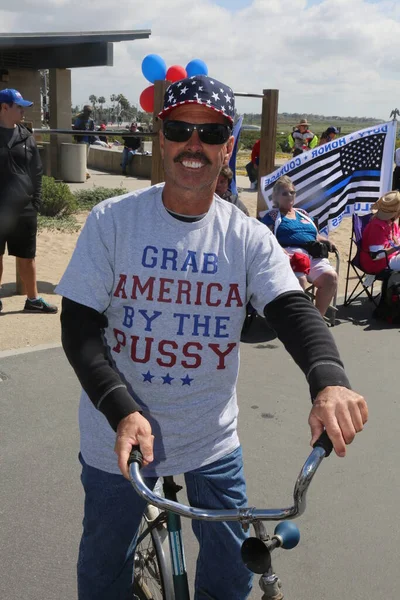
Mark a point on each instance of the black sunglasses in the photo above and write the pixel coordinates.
(293, 193)
(209, 133)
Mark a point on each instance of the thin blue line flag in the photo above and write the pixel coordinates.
(341, 177)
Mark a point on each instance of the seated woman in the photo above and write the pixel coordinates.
(380, 244)
(297, 234)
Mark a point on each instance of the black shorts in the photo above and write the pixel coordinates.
(21, 240)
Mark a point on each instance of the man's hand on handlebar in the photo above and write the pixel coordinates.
(341, 412)
(133, 430)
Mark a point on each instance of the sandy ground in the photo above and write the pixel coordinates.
(54, 249)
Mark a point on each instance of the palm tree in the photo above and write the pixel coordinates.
(101, 100)
(93, 100)
(113, 99)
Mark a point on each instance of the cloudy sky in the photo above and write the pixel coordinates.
(332, 57)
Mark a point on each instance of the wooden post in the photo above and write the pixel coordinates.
(269, 119)
(60, 114)
(157, 169)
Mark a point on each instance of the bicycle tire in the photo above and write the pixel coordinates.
(152, 579)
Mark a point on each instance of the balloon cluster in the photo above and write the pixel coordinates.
(155, 68)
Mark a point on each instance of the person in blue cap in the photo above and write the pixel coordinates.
(20, 194)
(328, 135)
(154, 300)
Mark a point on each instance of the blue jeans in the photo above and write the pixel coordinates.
(127, 157)
(113, 512)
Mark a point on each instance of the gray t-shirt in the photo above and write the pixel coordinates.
(175, 296)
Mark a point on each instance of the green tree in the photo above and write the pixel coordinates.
(101, 100)
(93, 100)
(124, 107)
(111, 112)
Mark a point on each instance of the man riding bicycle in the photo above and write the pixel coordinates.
(154, 301)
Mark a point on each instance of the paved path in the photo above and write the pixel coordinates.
(350, 532)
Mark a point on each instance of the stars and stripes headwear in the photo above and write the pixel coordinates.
(202, 90)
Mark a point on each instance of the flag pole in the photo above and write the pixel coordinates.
(389, 182)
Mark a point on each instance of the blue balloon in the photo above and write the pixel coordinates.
(196, 67)
(154, 67)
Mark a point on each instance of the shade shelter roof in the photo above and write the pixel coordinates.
(65, 50)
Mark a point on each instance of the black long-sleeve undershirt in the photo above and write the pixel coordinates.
(83, 342)
(295, 320)
(303, 332)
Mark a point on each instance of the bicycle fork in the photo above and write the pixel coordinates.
(174, 527)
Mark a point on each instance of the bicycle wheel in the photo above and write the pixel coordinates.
(152, 563)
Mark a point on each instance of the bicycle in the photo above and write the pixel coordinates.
(159, 563)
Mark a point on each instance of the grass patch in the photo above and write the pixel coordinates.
(87, 199)
(82, 200)
(67, 224)
(57, 199)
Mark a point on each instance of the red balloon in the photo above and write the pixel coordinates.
(147, 99)
(175, 73)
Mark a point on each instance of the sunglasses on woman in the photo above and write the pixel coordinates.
(209, 133)
(291, 193)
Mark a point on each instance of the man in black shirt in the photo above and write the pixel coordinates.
(131, 146)
(20, 192)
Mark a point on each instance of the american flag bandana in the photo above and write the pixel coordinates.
(203, 90)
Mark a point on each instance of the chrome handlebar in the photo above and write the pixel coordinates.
(322, 448)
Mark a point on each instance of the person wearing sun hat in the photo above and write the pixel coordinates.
(302, 138)
(20, 195)
(381, 238)
(154, 300)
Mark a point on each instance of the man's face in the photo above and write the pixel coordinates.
(302, 128)
(194, 165)
(14, 114)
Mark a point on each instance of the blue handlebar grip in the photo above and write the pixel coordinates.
(324, 442)
(136, 456)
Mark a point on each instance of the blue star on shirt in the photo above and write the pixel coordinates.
(186, 380)
(147, 376)
(167, 379)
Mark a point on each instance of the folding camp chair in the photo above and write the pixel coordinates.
(365, 281)
(330, 315)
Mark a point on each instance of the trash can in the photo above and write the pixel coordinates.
(73, 162)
